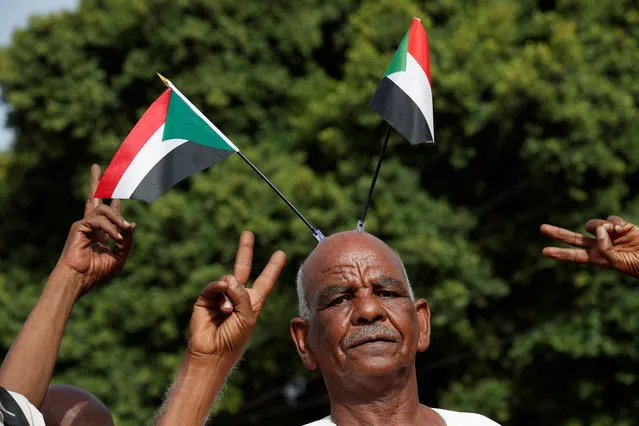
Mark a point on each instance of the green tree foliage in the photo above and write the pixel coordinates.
(535, 115)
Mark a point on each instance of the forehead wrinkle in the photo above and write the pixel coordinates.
(340, 268)
(361, 272)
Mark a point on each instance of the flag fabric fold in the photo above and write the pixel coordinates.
(171, 141)
(403, 97)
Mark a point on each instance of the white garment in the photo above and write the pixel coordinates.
(34, 417)
(452, 418)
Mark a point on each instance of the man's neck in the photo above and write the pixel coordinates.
(391, 402)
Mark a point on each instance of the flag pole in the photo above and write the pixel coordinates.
(362, 219)
(316, 232)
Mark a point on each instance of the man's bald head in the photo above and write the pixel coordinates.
(342, 242)
(70, 406)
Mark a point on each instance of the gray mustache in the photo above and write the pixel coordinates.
(374, 329)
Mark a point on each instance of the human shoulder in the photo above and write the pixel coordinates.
(16, 410)
(326, 421)
(456, 418)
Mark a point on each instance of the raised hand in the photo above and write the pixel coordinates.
(88, 251)
(226, 312)
(616, 246)
(221, 325)
(88, 258)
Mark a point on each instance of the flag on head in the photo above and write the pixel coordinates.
(404, 97)
(172, 141)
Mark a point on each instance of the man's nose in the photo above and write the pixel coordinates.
(368, 309)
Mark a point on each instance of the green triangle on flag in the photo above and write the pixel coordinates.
(398, 63)
(182, 122)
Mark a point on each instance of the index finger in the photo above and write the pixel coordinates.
(96, 173)
(244, 258)
(214, 298)
(566, 236)
(265, 282)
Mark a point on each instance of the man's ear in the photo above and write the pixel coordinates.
(299, 332)
(423, 317)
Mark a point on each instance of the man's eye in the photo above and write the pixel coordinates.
(386, 294)
(338, 300)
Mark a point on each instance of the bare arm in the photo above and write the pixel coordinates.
(221, 325)
(28, 366)
(193, 392)
(86, 260)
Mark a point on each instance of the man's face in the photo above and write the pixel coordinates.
(363, 320)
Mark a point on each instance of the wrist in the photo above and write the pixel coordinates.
(198, 381)
(205, 362)
(67, 280)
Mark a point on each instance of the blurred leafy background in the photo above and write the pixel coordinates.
(536, 115)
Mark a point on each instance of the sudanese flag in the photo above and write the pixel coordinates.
(403, 97)
(172, 141)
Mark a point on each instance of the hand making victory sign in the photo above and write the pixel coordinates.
(616, 246)
(221, 325)
(87, 251)
(226, 312)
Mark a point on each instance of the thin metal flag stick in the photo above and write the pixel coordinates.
(362, 219)
(316, 232)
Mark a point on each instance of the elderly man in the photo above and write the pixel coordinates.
(359, 324)
(362, 327)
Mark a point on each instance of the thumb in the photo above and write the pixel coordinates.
(604, 245)
(239, 297)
